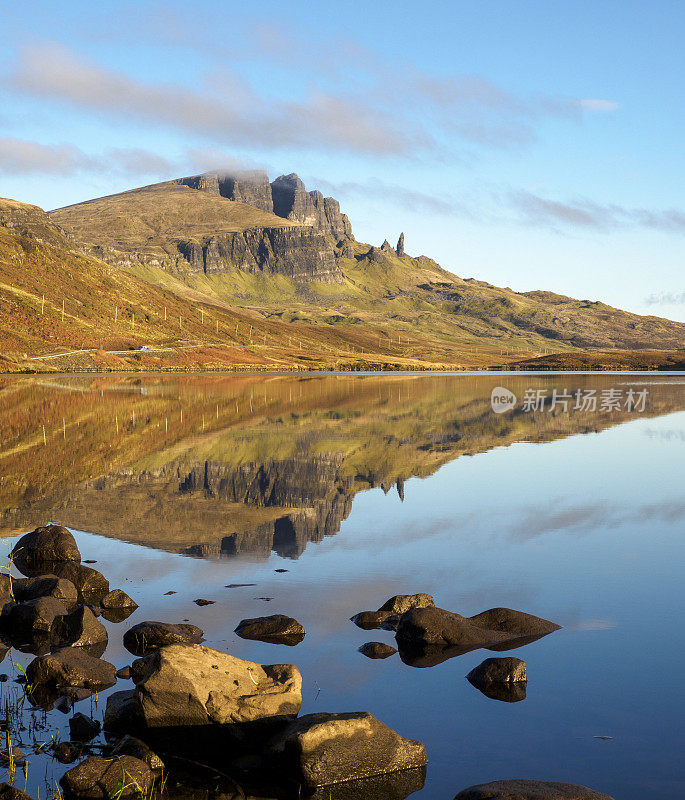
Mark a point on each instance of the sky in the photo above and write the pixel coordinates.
(530, 144)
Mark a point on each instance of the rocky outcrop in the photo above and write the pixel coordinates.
(529, 790)
(292, 201)
(400, 246)
(300, 252)
(244, 186)
(324, 749)
(388, 615)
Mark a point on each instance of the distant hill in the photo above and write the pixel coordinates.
(217, 271)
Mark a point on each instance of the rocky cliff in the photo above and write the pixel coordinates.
(286, 197)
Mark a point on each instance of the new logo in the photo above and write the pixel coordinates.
(502, 399)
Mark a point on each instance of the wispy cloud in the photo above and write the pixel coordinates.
(666, 299)
(22, 157)
(582, 213)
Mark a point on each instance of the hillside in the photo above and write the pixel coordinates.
(206, 275)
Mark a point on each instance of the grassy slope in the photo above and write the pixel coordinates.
(401, 313)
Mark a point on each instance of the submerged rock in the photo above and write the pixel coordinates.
(90, 584)
(377, 650)
(99, 778)
(36, 552)
(276, 629)
(322, 749)
(71, 667)
(147, 636)
(191, 685)
(529, 790)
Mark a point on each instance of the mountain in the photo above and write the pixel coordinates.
(219, 271)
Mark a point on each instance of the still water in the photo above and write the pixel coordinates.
(363, 487)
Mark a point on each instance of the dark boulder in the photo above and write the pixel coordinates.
(45, 586)
(24, 621)
(529, 790)
(116, 600)
(71, 667)
(276, 629)
(83, 728)
(120, 712)
(90, 584)
(130, 746)
(41, 550)
(81, 629)
(428, 636)
(498, 670)
(124, 673)
(147, 636)
(322, 749)
(99, 778)
(377, 650)
(65, 752)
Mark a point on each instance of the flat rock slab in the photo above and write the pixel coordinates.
(182, 685)
(529, 790)
(275, 629)
(147, 636)
(99, 778)
(36, 552)
(323, 749)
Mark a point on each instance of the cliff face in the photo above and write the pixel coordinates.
(295, 252)
(285, 197)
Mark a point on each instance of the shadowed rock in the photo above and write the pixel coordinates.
(34, 618)
(529, 790)
(130, 746)
(9, 792)
(45, 586)
(390, 786)
(40, 550)
(99, 778)
(377, 650)
(83, 728)
(504, 692)
(90, 584)
(276, 629)
(71, 667)
(322, 749)
(147, 636)
(80, 629)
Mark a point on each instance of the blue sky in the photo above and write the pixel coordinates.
(529, 144)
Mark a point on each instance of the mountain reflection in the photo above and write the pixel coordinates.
(218, 466)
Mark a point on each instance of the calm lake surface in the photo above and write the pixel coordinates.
(363, 487)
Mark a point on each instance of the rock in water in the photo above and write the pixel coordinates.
(529, 790)
(99, 778)
(83, 728)
(71, 666)
(276, 629)
(130, 746)
(36, 552)
(400, 246)
(388, 615)
(516, 623)
(45, 586)
(498, 670)
(118, 599)
(9, 792)
(24, 621)
(182, 685)
(80, 629)
(377, 650)
(321, 749)
(147, 636)
(90, 584)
